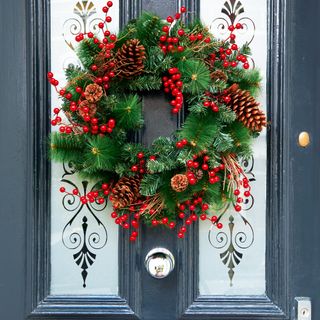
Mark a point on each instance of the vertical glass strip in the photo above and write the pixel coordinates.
(232, 259)
(84, 238)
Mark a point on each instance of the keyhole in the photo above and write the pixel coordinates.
(305, 312)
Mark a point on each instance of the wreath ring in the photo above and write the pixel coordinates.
(183, 176)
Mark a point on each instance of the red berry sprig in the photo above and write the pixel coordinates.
(173, 85)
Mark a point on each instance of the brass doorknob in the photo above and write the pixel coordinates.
(159, 262)
(304, 139)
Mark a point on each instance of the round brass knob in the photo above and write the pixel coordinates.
(304, 139)
(159, 262)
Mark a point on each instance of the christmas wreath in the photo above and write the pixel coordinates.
(178, 178)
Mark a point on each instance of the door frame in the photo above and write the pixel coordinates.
(275, 305)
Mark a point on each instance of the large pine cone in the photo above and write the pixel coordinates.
(179, 182)
(246, 108)
(130, 58)
(125, 192)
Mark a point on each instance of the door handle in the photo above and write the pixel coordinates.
(159, 262)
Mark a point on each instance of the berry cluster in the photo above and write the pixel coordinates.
(231, 56)
(97, 196)
(189, 211)
(140, 167)
(172, 84)
(168, 43)
(246, 193)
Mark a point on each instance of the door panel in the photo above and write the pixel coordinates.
(232, 260)
(84, 238)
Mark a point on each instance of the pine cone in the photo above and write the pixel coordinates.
(219, 75)
(246, 108)
(179, 182)
(199, 174)
(93, 92)
(87, 108)
(125, 192)
(130, 58)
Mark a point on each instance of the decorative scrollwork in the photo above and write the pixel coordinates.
(84, 21)
(84, 229)
(232, 242)
(233, 13)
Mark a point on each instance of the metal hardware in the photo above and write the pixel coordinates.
(302, 308)
(304, 139)
(159, 262)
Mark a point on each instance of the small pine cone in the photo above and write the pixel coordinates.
(219, 75)
(130, 58)
(198, 174)
(246, 108)
(93, 92)
(86, 105)
(179, 182)
(126, 192)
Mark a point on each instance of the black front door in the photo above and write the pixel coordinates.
(290, 253)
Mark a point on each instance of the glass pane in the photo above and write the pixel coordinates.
(84, 239)
(232, 259)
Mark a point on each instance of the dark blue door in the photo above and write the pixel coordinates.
(292, 253)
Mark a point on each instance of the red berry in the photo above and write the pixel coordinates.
(180, 235)
(205, 207)
(239, 26)
(179, 145)
(132, 238)
(134, 168)
(246, 66)
(237, 208)
(105, 10)
(163, 38)
(62, 189)
(214, 218)
(247, 193)
(165, 220)
(232, 36)
(192, 181)
(236, 192)
(219, 225)
(205, 167)
(140, 155)
(113, 37)
(101, 25)
(234, 47)
(134, 233)
(228, 52)
(180, 32)
(183, 229)
(231, 28)
(154, 223)
(109, 4)
(177, 16)
(172, 225)
(203, 216)
(183, 9)
(181, 215)
(165, 29)
(111, 123)
(182, 207)
(53, 122)
(169, 19)
(188, 221)
(108, 19)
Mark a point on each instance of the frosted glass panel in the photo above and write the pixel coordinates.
(84, 239)
(232, 260)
